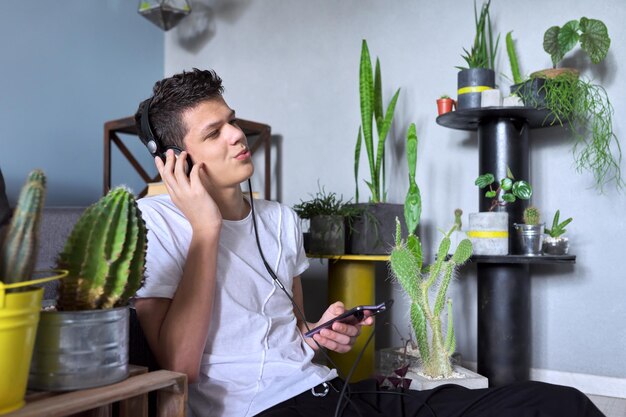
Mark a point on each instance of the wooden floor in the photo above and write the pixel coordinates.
(611, 407)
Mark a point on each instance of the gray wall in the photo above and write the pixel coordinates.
(67, 67)
(294, 64)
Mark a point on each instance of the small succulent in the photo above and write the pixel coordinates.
(507, 191)
(531, 215)
(557, 228)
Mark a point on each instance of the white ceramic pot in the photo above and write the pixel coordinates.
(489, 233)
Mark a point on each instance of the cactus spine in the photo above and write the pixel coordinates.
(532, 215)
(406, 264)
(19, 246)
(104, 254)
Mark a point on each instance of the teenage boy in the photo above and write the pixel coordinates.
(209, 307)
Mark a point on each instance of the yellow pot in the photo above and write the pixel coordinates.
(19, 315)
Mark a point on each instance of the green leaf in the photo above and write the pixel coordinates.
(594, 39)
(551, 44)
(484, 180)
(490, 194)
(522, 189)
(366, 89)
(415, 247)
(357, 158)
(568, 36)
(508, 197)
(378, 96)
(506, 184)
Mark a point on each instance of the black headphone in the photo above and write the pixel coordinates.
(154, 145)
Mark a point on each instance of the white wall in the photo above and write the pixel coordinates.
(294, 65)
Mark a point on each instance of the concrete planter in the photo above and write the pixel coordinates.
(555, 246)
(373, 232)
(489, 233)
(327, 235)
(461, 376)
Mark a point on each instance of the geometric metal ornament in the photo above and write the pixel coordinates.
(164, 13)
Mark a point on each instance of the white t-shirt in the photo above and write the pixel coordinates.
(255, 357)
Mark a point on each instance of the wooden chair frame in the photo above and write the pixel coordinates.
(126, 125)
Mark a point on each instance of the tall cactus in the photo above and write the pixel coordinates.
(104, 254)
(406, 264)
(19, 245)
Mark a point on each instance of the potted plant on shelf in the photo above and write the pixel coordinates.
(445, 105)
(530, 233)
(20, 303)
(327, 215)
(372, 232)
(479, 75)
(555, 243)
(84, 343)
(489, 231)
(577, 103)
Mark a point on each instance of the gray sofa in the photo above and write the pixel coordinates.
(56, 225)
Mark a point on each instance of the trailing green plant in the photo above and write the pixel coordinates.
(371, 102)
(510, 50)
(558, 228)
(419, 282)
(585, 109)
(104, 254)
(482, 53)
(531, 216)
(18, 248)
(591, 33)
(507, 191)
(413, 200)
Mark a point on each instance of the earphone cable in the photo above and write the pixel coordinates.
(300, 312)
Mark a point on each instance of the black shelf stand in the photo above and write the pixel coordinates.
(504, 330)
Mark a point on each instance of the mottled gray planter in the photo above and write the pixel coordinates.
(327, 235)
(489, 233)
(374, 231)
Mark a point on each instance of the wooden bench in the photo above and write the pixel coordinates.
(130, 394)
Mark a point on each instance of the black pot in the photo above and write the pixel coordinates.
(471, 82)
(532, 92)
(374, 231)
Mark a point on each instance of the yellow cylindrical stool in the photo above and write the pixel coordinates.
(352, 280)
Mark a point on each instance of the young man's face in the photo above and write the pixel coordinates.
(214, 138)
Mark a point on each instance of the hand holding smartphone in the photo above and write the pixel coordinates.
(352, 316)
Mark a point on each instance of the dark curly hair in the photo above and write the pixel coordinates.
(172, 97)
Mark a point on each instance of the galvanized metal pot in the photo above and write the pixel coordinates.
(529, 238)
(80, 349)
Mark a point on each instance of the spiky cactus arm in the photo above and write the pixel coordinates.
(418, 320)
(136, 266)
(450, 344)
(19, 245)
(105, 254)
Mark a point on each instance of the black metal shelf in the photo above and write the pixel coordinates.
(469, 119)
(524, 259)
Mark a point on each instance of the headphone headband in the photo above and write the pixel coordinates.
(149, 138)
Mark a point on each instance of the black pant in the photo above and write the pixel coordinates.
(523, 399)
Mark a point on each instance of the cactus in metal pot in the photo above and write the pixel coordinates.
(406, 264)
(19, 243)
(531, 215)
(104, 254)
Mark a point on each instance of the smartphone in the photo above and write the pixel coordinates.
(352, 316)
(177, 152)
